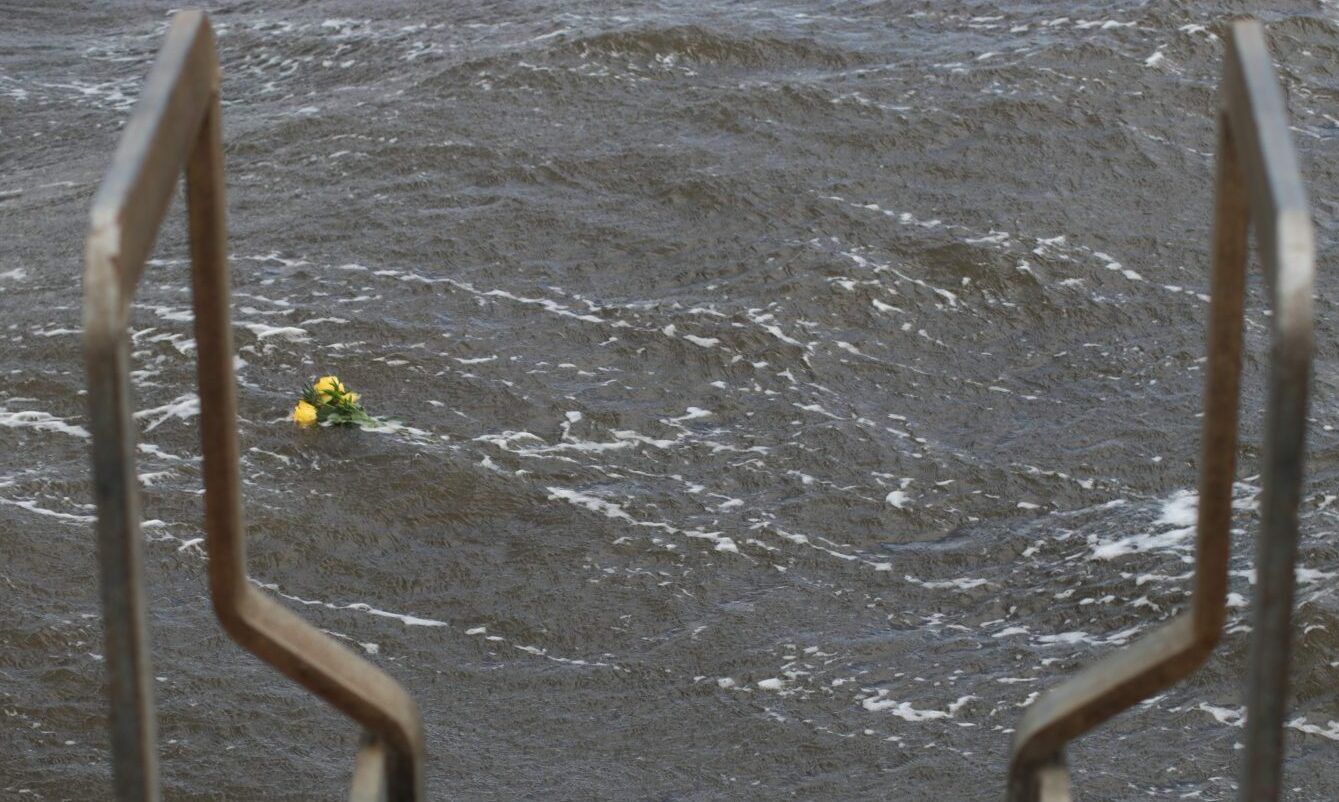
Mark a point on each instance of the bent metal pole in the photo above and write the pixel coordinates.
(176, 126)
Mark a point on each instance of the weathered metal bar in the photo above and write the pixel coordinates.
(1169, 653)
(1257, 181)
(177, 123)
(1053, 781)
(126, 213)
(1282, 222)
(369, 773)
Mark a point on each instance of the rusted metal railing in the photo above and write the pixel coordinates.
(176, 126)
(1258, 186)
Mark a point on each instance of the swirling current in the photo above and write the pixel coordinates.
(784, 393)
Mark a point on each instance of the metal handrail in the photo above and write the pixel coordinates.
(1257, 185)
(176, 126)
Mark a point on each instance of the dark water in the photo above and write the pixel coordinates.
(787, 393)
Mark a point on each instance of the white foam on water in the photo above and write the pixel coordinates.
(904, 710)
(1231, 716)
(150, 448)
(1056, 247)
(31, 506)
(1330, 731)
(800, 539)
(1192, 29)
(418, 621)
(150, 478)
(263, 331)
(1175, 539)
(627, 434)
(185, 315)
(1071, 638)
(692, 413)
(606, 508)
(819, 409)
(1105, 25)
(1066, 638)
(547, 304)
(183, 407)
(611, 510)
(1306, 576)
(765, 321)
(40, 421)
(588, 446)
(362, 607)
(482, 631)
(1181, 509)
(963, 583)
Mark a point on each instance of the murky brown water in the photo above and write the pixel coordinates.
(789, 392)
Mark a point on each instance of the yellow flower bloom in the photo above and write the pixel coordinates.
(353, 398)
(327, 384)
(304, 414)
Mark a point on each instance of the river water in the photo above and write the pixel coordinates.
(786, 393)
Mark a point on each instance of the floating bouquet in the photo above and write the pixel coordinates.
(329, 401)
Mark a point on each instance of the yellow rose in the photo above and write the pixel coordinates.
(328, 384)
(353, 398)
(304, 414)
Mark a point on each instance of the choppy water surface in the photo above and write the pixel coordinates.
(787, 393)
